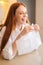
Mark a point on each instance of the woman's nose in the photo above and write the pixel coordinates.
(25, 15)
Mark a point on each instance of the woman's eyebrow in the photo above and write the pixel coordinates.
(23, 11)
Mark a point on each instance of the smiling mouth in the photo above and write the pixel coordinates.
(23, 19)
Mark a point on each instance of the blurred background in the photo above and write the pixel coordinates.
(34, 7)
(35, 15)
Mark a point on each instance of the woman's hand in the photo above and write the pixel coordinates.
(27, 28)
(36, 27)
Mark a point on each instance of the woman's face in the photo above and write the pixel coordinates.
(21, 14)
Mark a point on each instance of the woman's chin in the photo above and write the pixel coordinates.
(23, 22)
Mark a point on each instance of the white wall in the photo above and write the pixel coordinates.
(39, 15)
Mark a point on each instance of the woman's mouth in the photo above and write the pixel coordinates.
(23, 20)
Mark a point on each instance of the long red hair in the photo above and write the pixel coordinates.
(9, 23)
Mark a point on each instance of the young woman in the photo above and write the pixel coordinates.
(16, 25)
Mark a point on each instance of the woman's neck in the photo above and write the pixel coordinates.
(18, 25)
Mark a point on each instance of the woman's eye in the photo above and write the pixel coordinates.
(24, 14)
(21, 13)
